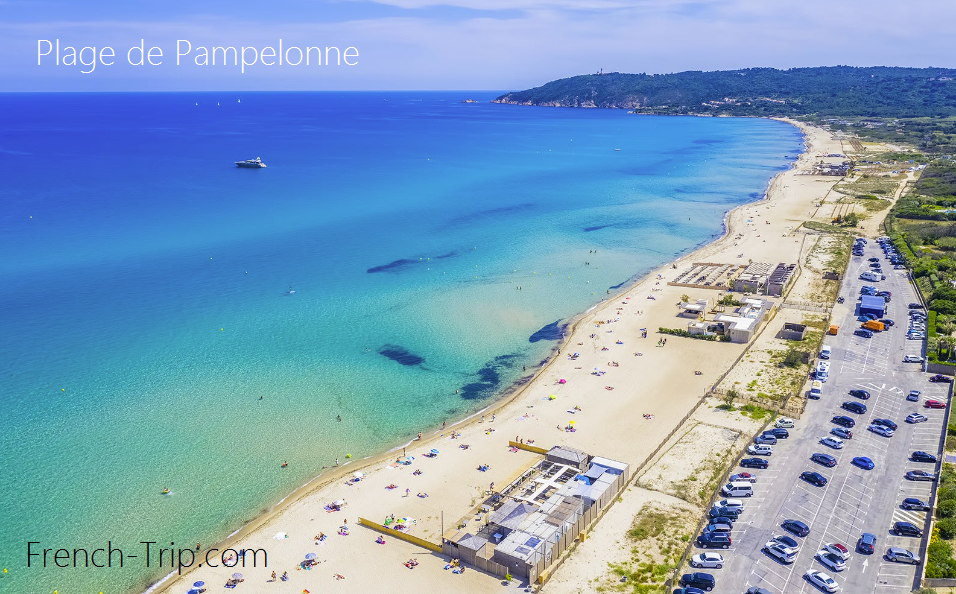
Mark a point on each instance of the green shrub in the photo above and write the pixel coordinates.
(946, 509)
(931, 325)
(947, 528)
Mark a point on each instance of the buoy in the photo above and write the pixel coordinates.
(63, 389)
(222, 329)
(348, 455)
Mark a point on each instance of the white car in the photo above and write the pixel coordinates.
(760, 449)
(708, 560)
(832, 561)
(736, 504)
(833, 442)
(912, 359)
(784, 423)
(881, 430)
(781, 552)
(821, 580)
(837, 549)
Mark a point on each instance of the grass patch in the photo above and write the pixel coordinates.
(754, 412)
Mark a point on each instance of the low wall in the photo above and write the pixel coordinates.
(421, 542)
(526, 447)
(940, 368)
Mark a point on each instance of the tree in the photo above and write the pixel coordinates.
(685, 297)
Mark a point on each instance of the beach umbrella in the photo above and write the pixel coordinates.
(358, 474)
(434, 451)
(562, 381)
(199, 584)
(570, 422)
(237, 576)
(310, 556)
(338, 502)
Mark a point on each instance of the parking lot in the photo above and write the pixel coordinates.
(854, 500)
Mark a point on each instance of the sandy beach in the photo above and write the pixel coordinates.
(640, 377)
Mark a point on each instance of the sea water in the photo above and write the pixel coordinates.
(168, 320)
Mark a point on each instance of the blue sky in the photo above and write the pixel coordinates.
(463, 44)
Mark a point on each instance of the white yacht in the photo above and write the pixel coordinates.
(251, 163)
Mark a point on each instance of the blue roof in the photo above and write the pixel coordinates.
(872, 302)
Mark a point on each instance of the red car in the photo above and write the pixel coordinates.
(934, 404)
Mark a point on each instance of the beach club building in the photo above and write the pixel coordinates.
(741, 325)
(540, 515)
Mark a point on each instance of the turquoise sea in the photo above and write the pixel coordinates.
(149, 332)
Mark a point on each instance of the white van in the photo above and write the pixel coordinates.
(870, 276)
(816, 390)
(823, 371)
(738, 489)
(825, 352)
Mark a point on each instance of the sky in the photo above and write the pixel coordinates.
(449, 44)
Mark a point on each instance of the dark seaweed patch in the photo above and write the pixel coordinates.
(400, 355)
(618, 286)
(489, 378)
(596, 228)
(553, 331)
(391, 265)
(395, 265)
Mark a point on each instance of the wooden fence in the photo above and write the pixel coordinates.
(379, 527)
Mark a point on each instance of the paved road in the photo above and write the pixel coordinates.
(854, 500)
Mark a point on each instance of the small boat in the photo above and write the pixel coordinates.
(617, 149)
(291, 291)
(251, 164)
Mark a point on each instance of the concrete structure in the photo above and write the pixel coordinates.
(780, 279)
(707, 275)
(753, 279)
(539, 515)
(871, 304)
(793, 331)
(742, 325)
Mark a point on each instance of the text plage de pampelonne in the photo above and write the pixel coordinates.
(51, 52)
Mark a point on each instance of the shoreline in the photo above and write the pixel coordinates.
(507, 400)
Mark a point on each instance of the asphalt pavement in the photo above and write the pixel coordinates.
(854, 500)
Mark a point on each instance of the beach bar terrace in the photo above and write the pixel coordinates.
(540, 514)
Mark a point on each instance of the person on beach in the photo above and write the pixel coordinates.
(419, 436)
(336, 461)
(492, 417)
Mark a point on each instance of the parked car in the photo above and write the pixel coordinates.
(863, 332)
(785, 422)
(698, 579)
(831, 561)
(780, 552)
(881, 430)
(921, 456)
(760, 449)
(912, 359)
(718, 527)
(915, 306)
(717, 512)
(743, 477)
(906, 529)
(901, 555)
(754, 463)
(886, 423)
(796, 527)
(821, 580)
(832, 442)
(916, 418)
(914, 504)
(779, 432)
(843, 421)
(714, 540)
(913, 396)
(765, 438)
(842, 433)
(721, 520)
(863, 462)
(837, 549)
(887, 322)
(784, 540)
(861, 394)
(873, 259)
(941, 378)
(824, 459)
(920, 475)
(867, 543)
(814, 478)
(758, 590)
(934, 404)
(854, 407)
(707, 560)
(688, 591)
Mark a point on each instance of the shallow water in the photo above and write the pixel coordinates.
(151, 337)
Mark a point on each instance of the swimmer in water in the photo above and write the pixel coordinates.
(339, 417)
